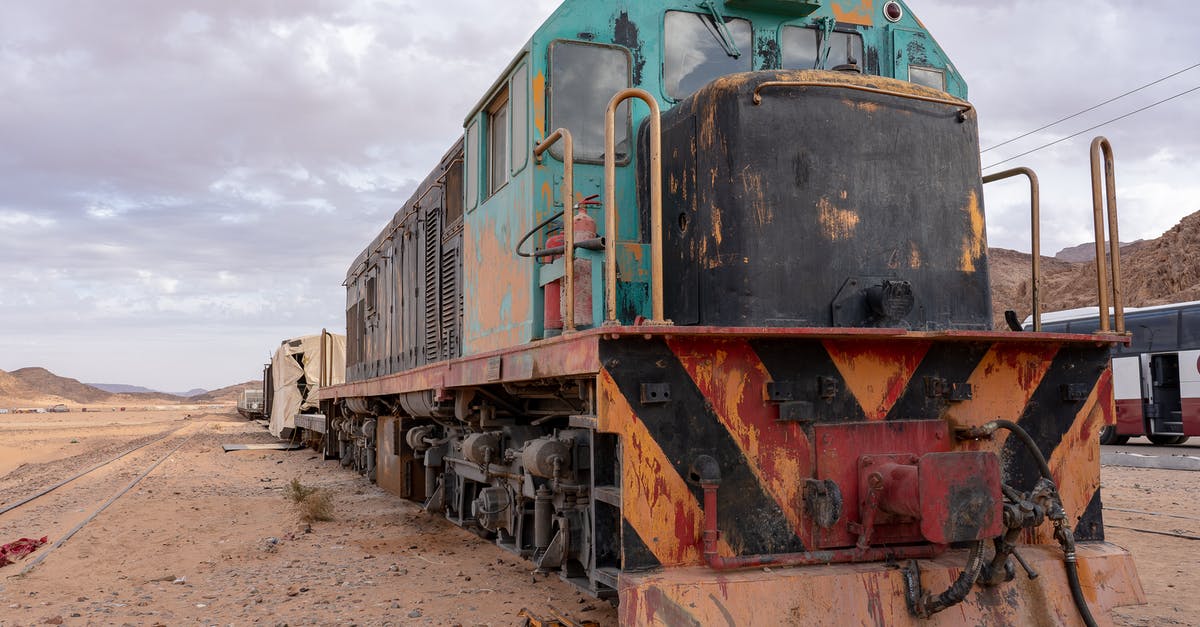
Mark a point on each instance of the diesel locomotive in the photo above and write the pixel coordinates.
(696, 314)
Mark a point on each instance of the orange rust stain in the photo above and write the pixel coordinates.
(876, 373)
(1075, 462)
(1002, 385)
(836, 224)
(539, 103)
(716, 225)
(752, 184)
(973, 243)
(496, 275)
(914, 256)
(731, 376)
(655, 500)
(859, 12)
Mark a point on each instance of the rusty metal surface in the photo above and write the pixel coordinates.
(568, 200)
(873, 594)
(1099, 201)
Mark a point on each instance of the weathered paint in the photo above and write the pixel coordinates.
(975, 241)
(836, 224)
(861, 12)
(873, 594)
(877, 373)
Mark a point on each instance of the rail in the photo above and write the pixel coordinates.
(963, 107)
(610, 205)
(1035, 212)
(568, 201)
(1100, 146)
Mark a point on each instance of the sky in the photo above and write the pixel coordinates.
(184, 184)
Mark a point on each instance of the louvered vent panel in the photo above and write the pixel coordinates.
(433, 238)
(451, 304)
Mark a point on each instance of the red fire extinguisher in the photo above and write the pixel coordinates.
(552, 312)
(585, 228)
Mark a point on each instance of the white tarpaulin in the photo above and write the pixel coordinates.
(296, 370)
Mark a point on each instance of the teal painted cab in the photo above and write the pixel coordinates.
(564, 77)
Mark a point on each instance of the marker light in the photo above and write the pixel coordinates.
(893, 11)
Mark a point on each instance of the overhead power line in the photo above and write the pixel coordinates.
(1092, 128)
(1090, 109)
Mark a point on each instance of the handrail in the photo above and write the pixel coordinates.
(610, 204)
(964, 106)
(1101, 144)
(1035, 212)
(568, 200)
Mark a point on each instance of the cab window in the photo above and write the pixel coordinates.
(696, 51)
(519, 106)
(802, 49)
(583, 79)
(497, 142)
(472, 156)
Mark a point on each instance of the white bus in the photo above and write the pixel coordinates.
(1156, 378)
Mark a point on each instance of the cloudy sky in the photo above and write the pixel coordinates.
(183, 184)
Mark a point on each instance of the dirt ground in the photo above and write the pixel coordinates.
(208, 538)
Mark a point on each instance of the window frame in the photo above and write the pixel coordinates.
(472, 170)
(496, 107)
(556, 150)
(525, 147)
(662, 66)
(862, 62)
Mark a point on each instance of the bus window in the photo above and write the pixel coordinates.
(1153, 331)
(1054, 327)
(1189, 333)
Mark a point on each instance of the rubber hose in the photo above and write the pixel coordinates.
(535, 230)
(961, 586)
(1027, 440)
(1077, 592)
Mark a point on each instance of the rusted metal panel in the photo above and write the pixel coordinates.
(873, 594)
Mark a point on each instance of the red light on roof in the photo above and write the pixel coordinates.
(893, 11)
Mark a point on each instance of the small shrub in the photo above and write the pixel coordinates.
(312, 503)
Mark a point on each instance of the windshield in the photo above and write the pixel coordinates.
(695, 51)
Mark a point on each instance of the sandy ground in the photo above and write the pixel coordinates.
(208, 538)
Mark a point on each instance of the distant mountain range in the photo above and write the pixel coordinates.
(38, 386)
(120, 388)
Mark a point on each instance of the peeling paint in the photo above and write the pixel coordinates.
(836, 224)
(972, 248)
(859, 12)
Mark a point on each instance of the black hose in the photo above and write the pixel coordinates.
(1027, 440)
(535, 230)
(1077, 591)
(927, 605)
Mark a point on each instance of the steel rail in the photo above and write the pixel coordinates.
(27, 500)
(44, 554)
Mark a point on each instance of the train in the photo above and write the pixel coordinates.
(695, 314)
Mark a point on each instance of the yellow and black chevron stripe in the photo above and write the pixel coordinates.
(718, 406)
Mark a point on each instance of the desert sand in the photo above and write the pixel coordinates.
(208, 538)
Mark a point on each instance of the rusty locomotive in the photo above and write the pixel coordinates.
(703, 288)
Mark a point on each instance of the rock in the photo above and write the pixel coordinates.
(53, 620)
(179, 581)
(415, 614)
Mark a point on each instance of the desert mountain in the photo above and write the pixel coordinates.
(227, 394)
(46, 382)
(1154, 272)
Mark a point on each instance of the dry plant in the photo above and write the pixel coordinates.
(313, 503)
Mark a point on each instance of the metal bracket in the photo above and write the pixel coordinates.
(1074, 392)
(656, 393)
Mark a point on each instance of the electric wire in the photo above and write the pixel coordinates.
(1089, 109)
(1092, 128)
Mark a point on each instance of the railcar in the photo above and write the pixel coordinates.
(696, 314)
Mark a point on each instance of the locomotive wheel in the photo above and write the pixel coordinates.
(1165, 440)
(1108, 435)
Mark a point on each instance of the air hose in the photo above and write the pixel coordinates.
(927, 605)
(1061, 532)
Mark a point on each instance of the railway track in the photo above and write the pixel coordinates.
(62, 509)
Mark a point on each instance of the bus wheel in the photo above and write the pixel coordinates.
(1108, 435)
(1164, 440)
(1180, 440)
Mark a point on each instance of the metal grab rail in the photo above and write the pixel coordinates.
(568, 200)
(1035, 212)
(610, 205)
(1099, 145)
(962, 105)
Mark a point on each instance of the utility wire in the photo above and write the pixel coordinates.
(1074, 135)
(1075, 115)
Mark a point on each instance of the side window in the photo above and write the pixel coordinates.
(372, 290)
(519, 89)
(1154, 331)
(497, 142)
(472, 164)
(583, 79)
(695, 51)
(454, 192)
(927, 76)
(1189, 335)
(802, 49)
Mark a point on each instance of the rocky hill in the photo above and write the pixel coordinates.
(1154, 272)
(229, 394)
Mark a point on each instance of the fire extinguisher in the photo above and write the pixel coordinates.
(585, 228)
(552, 312)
